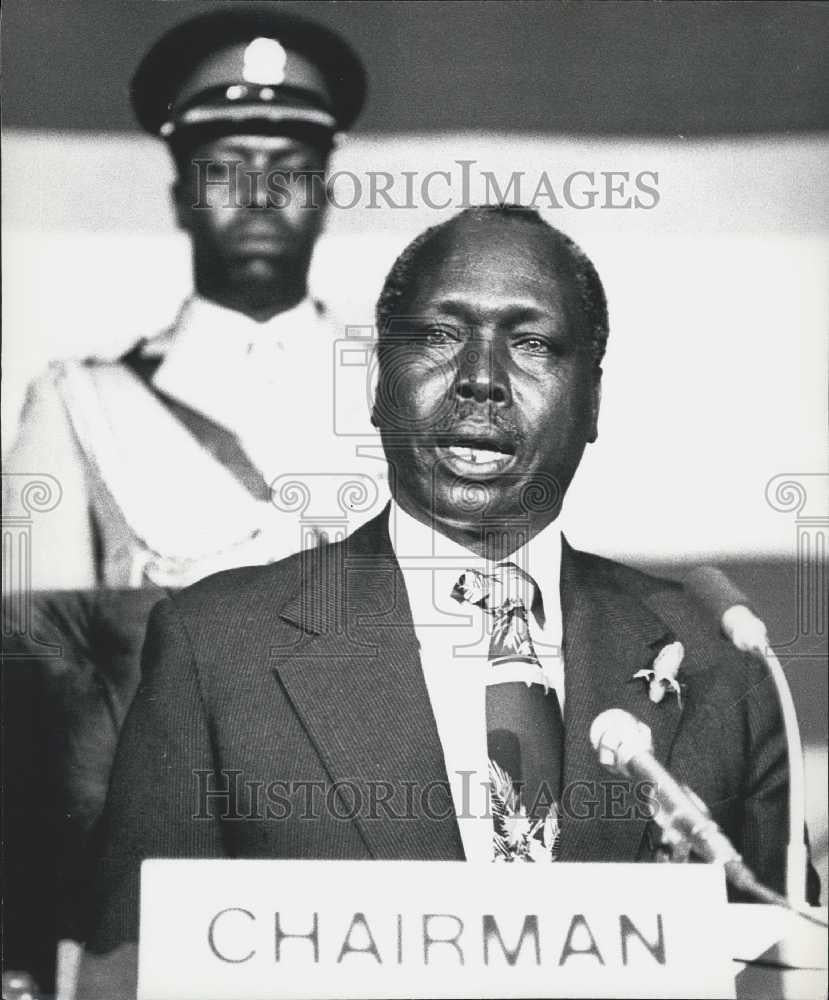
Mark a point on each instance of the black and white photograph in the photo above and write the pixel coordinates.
(414, 434)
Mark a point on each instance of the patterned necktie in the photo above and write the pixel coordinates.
(525, 731)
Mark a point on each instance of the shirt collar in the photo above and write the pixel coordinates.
(207, 354)
(210, 322)
(540, 557)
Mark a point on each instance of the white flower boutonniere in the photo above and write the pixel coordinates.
(661, 676)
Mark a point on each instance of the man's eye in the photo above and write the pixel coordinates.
(292, 175)
(437, 336)
(532, 344)
(303, 170)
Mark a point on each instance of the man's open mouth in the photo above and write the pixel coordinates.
(476, 456)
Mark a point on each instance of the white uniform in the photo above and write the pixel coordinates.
(144, 501)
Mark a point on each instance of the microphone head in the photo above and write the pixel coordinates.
(617, 737)
(714, 590)
(731, 606)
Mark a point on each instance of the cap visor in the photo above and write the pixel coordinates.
(249, 113)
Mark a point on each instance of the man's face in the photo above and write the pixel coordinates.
(253, 205)
(488, 392)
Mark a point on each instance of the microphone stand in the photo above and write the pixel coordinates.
(749, 634)
(796, 853)
(624, 747)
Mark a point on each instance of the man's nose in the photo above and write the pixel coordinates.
(257, 188)
(481, 374)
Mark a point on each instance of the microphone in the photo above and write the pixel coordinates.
(748, 633)
(730, 606)
(625, 748)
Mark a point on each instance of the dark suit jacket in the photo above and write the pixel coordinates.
(308, 671)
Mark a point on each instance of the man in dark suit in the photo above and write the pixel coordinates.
(341, 703)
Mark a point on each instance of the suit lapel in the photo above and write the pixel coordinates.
(356, 682)
(609, 634)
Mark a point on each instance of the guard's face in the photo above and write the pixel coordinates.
(487, 392)
(253, 202)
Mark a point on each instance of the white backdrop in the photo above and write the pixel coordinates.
(716, 374)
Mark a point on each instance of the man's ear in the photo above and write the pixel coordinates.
(595, 404)
(374, 386)
(180, 195)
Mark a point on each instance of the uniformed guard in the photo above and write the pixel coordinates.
(165, 457)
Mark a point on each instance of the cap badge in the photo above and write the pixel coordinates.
(264, 62)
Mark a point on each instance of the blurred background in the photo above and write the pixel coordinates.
(716, 375)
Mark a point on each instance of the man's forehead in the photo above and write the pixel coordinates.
(496, 234)
(498, 259)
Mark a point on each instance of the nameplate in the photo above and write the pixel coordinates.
(260, 930)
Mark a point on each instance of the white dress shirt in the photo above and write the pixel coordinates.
(454, 647)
